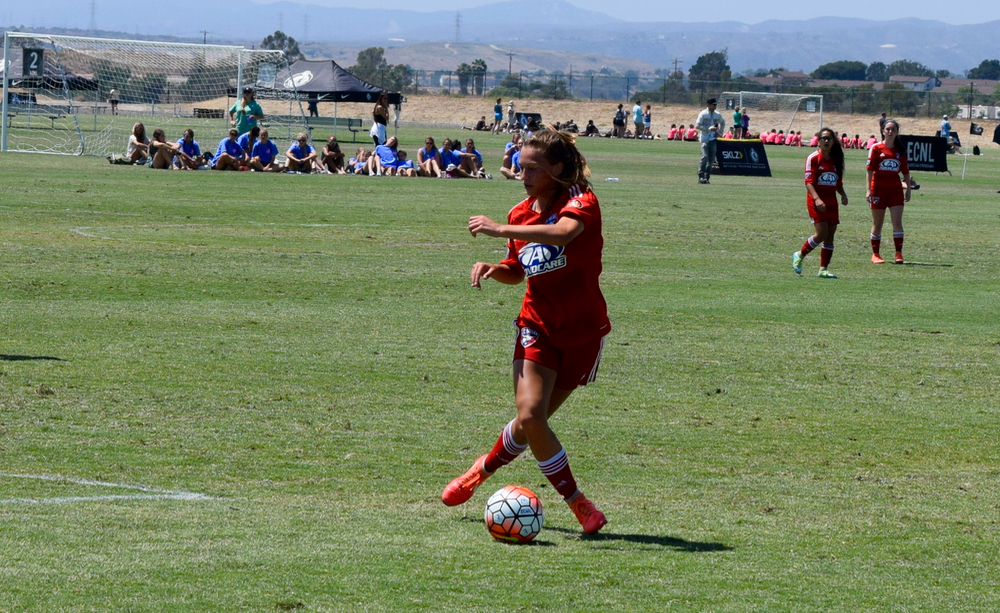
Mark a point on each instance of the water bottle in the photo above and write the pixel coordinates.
(612, 179)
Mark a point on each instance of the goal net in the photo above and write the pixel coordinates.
(786, 112)
(82, 96)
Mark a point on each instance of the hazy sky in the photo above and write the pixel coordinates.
(752, 11)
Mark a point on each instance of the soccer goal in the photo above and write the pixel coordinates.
(82, 96)
(787, 112)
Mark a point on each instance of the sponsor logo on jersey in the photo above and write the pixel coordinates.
(538, 259)
(889, 164)
(298, 79)
(528, 337)
(552, 219)
(809, 175)
(828, 179)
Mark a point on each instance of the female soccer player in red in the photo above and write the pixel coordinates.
(824, 180)
(554, 240)
(886, 160)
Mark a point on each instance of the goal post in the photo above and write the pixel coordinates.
(787, 112)
(82, 96)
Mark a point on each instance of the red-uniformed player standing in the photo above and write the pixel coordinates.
(824, 178)
(554, 241)
(886, 160)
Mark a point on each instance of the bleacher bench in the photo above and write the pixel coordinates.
(353, 124)
(209, 113)
(47, 111)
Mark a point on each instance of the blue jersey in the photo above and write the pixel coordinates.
(450, 157)
(515, 161)
(244, 141)
(300, 153)
(229, 146)
(265, 151)
(386, 154)
(192, 148)
(404, 163)
(479, 158)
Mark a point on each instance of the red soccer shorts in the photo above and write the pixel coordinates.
(887, 200)
(830, 216)
(576, 366)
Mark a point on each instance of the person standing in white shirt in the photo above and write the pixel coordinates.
(709, 124)
(637, 120)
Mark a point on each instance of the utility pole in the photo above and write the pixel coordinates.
(204, 38)
(676, 62)
(510, 62)
(93, 15)
(458, 27)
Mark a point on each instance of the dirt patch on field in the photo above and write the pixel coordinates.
(454, 111)
(466, 111)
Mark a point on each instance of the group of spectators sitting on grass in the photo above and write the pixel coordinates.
(792, 139)
(255, 151)
(855, 143)
(450, 161)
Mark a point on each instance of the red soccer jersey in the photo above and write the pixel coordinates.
(887, 164)
(563, 298)
(822, 174)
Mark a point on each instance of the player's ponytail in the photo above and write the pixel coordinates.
(560, 147)
(836, 151)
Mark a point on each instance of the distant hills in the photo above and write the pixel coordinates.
(551, 25)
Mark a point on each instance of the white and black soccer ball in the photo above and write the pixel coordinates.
(514, 514)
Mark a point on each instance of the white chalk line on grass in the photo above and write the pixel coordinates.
(150, 493)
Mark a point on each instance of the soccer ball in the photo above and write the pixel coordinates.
(514, 514)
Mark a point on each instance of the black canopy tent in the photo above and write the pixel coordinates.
(326, 81)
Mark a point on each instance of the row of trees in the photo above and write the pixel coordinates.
(877, 71)
(711, 74)
(714, 67)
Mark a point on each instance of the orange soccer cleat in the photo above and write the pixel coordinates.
(899, 257)
(462, 488)
(877, 259)
(587, 514)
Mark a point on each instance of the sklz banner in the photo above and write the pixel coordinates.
(741, 157)
(928, 153)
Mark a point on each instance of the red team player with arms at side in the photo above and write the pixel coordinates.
(886, 160)
(554, 240)
(824, 177)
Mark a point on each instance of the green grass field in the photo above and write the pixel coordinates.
(305, 353)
